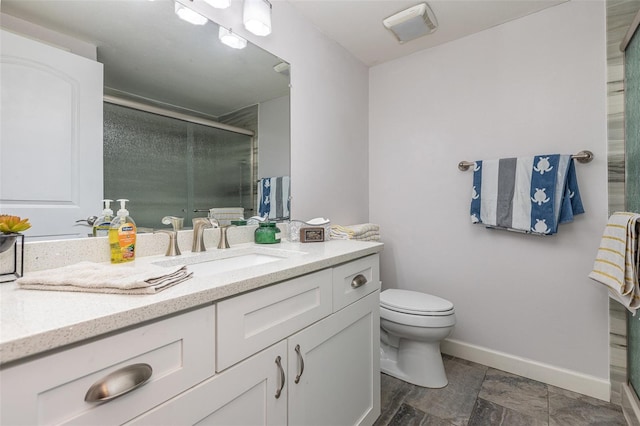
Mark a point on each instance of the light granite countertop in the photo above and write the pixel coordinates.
(33, 322)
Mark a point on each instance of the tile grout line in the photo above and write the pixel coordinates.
(484, 377)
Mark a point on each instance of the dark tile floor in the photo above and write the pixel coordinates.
(482, 396)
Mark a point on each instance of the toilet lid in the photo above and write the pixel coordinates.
(414, 302)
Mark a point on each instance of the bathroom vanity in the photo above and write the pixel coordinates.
(293, 341)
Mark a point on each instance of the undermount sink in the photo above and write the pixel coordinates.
(219, 261)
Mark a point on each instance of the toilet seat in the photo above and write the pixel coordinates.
(415, 303)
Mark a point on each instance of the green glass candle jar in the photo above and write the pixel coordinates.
(267, 233)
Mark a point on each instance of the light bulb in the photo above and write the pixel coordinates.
(230, 39)
(189, 15)
(256, 17)
(219, 4)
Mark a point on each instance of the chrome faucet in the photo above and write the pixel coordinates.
(199, 225)
(176, 224)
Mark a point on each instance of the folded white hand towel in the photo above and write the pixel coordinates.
(104, 278)
(368, 237)
(363, 231)
(616, 264)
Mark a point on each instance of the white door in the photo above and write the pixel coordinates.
(51, 136)
(338, 364)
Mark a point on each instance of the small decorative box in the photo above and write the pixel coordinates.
(311, 235)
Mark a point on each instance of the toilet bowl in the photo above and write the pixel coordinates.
(412, 325)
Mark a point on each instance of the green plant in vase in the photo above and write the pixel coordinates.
(10, 226)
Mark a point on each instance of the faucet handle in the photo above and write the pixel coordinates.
(172, 249)
(200, 220)
(177, 223)
(224, 242)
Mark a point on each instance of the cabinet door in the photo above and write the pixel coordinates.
(253, 392)
(338, 362)
(51, 136)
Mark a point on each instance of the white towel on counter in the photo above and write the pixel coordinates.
(362, 232)
(617, 263)
(104, 278)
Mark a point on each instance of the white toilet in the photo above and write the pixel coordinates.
(412, 324)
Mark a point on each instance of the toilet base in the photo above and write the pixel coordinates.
(419, 363)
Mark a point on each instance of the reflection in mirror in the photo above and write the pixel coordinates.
(164, 165)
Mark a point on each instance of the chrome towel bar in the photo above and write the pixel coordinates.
(582, 157)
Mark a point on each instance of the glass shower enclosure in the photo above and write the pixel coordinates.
(632, 185)
(170, 167)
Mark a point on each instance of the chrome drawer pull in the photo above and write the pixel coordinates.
(358, 281)
(119, 382)
(300, 364)
(282, 378)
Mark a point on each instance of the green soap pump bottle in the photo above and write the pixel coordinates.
(122, 236)
(103, 222)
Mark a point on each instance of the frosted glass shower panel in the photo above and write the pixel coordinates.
(170, 167)
(222, 169)
(632, 185)
(145, 161)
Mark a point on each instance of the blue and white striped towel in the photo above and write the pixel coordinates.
(527, 194)
(273, 197)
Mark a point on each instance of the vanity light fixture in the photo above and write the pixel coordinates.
(256, 17)
(189, 15)
(412, 23)
(282, 68)
(219, 4)
(231, 39)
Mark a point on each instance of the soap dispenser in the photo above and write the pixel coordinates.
(103, 222)
(122, 236)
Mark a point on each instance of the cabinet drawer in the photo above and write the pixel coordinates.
(354, 280)
(253, 321)
(51, 389)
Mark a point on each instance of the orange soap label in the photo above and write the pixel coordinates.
(123, 243)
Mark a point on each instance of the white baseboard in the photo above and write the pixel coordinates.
(565, 379)
(630, 405)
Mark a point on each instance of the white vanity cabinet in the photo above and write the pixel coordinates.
(333, 364)
(51, 390)
(300, 352)
(295, 359)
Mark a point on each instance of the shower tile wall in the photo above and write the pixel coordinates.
(620, 14)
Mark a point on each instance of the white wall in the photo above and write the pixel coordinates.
(329, 104)
(274, 134)
(532, 86)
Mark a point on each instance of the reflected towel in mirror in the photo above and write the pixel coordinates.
(273, 197)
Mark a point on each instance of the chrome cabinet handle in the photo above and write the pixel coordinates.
(282, 378)
(300, 364)
(119, 382)
(358, 281)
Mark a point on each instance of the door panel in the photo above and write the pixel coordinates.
(51, 106)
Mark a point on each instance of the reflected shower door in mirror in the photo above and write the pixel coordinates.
(151, 56)
(166, 166)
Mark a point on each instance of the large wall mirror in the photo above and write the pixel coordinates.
(188, 123)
